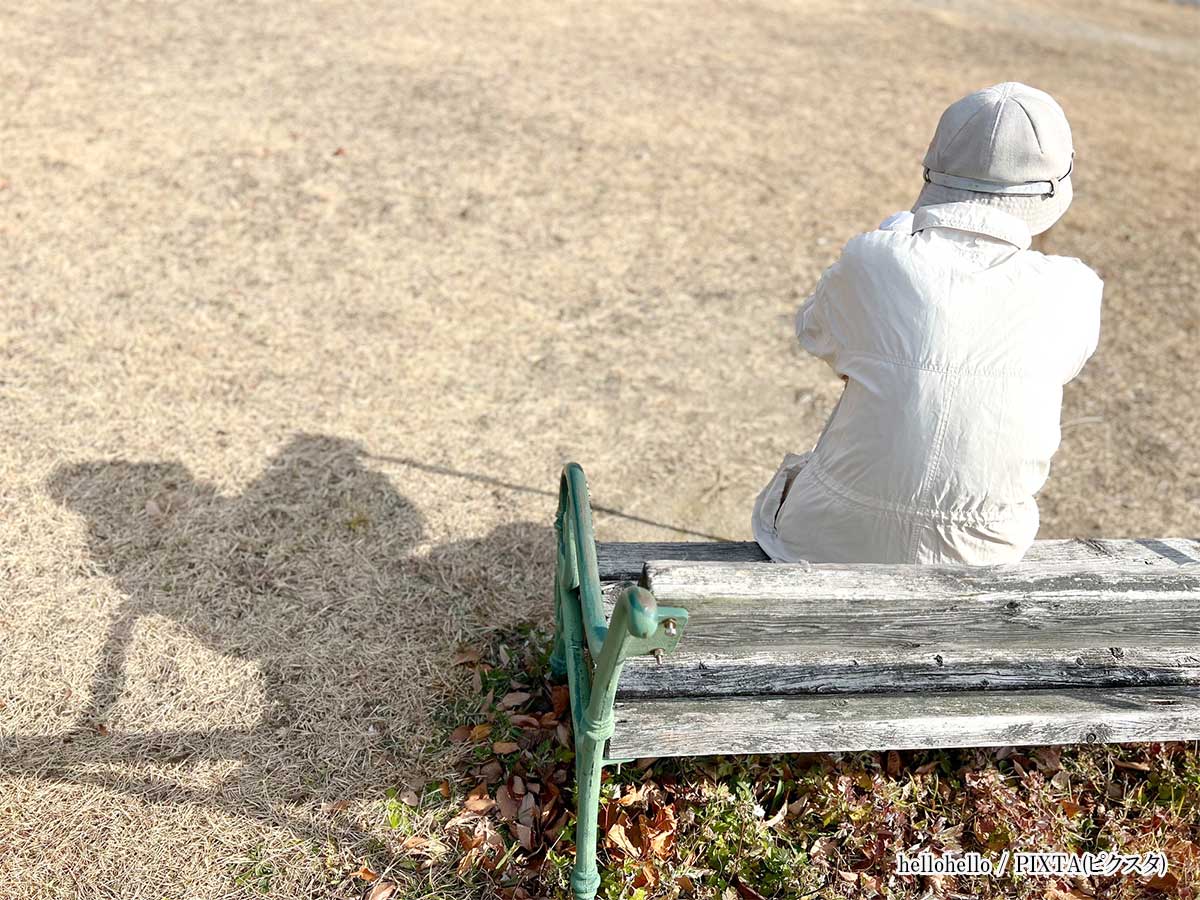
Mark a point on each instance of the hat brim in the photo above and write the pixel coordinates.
(1039, 212)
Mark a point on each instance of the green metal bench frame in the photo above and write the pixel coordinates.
(590, 652)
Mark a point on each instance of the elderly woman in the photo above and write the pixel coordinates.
(955, 340)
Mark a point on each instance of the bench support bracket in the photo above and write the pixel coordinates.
(590, 653)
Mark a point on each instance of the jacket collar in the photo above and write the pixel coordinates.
(977, 218)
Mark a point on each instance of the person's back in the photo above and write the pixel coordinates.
(955, 340)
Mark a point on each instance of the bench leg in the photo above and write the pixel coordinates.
(585, 877)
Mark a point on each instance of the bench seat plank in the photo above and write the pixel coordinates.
(623, 561)
(758, 628)
(846, 722)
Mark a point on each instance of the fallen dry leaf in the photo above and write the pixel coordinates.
(525, 836)
(893, 763)
(410, 798)
(469, 840)
(528, 810)
(1165, 883)
(620, 839)
(635, 793)
(660, 844)
(338, 806)
(425, 846)
(560, 823)
(513, 699)
(478, 800)
(382, 891)
(1048, 759)
(466, 657)
(507, 804)
(745, 891)
(646, 877)
(461, 734)
(560, 697)
(503, 748)
(444, 789)
(822, 847)
(479, 732)
(366, 873)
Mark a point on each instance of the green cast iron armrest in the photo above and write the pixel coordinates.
(636, 620)
(638, 628)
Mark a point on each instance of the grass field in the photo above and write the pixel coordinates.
(302, 307)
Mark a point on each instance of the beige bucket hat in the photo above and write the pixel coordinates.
(1007, 146)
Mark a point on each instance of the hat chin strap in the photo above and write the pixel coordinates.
(1025, 189)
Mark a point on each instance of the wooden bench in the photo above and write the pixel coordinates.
(716, 650)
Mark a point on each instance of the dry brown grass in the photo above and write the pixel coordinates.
(304, 306)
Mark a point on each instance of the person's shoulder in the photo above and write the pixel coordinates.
(872, 251)
(871, 246)
(1069, 268)
(1073, 283)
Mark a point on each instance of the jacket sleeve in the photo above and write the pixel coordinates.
(1087, 324)
(815, 320)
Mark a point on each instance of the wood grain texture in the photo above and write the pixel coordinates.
(931, 586)
(793, 670)
(621, 561)
(847, 722)
(761, 628)
(624, 561)
(1084, 640)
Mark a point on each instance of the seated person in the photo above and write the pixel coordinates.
(954, 339)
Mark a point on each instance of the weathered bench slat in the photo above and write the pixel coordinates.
(757, 628)
(619, 561)
(922, 587)
(624, 561)
(818, 723)
(947, 669)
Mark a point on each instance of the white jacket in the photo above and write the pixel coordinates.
(957, 340)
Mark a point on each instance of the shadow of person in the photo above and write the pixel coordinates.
(310, 576)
